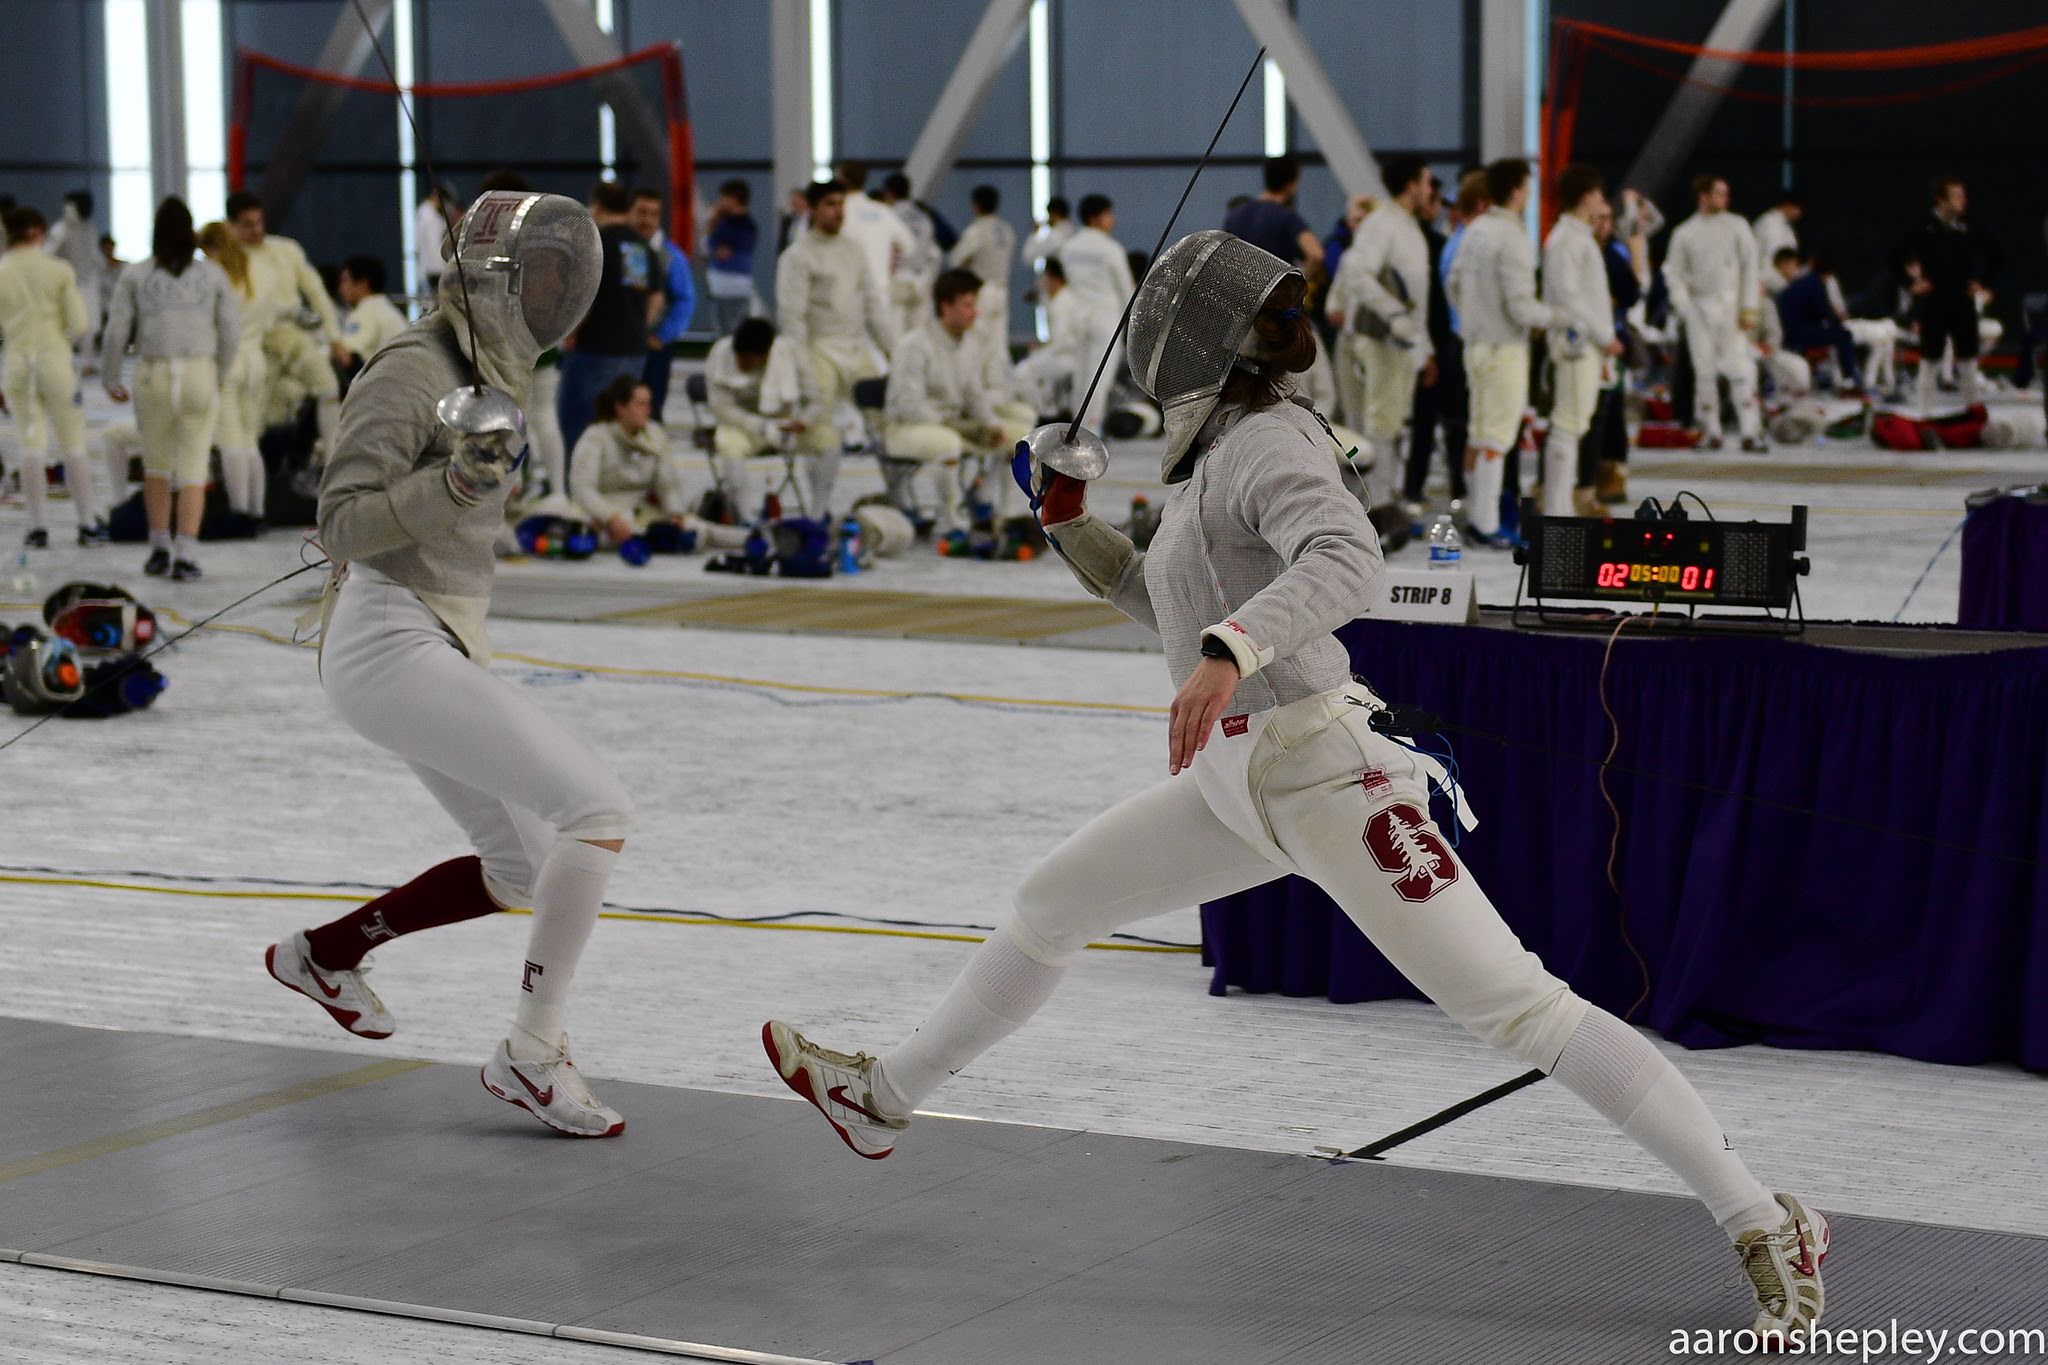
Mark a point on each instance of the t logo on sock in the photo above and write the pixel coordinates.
(533, 969)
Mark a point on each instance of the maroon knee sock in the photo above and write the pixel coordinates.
(447, 894)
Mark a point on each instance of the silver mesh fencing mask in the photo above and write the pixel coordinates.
(1190, 326)
(532, 263)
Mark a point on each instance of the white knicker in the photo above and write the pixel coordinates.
(510, 774)
(1308, 788)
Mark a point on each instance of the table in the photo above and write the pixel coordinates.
(1820, 847)
(2005, 566)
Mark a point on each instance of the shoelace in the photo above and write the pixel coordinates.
(1762, 1267)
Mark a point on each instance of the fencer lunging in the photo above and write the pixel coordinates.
(1260, 553)
(411, 502)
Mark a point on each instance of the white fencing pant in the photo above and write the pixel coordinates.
(1575, 394)
(1791, 375)
(1045, 378)
(544, 430)
(1497, 380)
(734, 449)
(41, 387)
(241, 428)
(177, 403)
(1879, 338)
(1720, 350)
(1096, 332)
(511, 776)
(1309, 788)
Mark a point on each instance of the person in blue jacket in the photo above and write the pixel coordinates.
(678, 286)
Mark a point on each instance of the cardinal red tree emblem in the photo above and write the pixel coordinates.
(1401, 840)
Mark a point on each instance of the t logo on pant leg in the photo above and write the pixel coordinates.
(533, 969)
(1400, 840)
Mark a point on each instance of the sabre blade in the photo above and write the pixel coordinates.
(1123, 323)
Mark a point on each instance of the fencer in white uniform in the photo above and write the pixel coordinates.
(1045, 378)
(1581, 336)
(1492, 285)
(247, 380)
(289, 286)
(76, 240)
(1379, 302)
(1099, 274)
(1711, 271)
(181, 311)
(831, 309)
(41, 316)
(765, 403)
(412, 500)
(988, 247)
(1261, 551)
(949, 406)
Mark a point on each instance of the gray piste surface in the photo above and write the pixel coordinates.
(742, 1222)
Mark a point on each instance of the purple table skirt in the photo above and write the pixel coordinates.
(1915, 922)
(2005, 567)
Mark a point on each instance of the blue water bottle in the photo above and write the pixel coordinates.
(849, 546)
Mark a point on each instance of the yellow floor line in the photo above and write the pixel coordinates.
(205, 1118)
(629, 916)
(732, 680)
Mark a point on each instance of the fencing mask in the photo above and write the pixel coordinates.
(531, 265)
(41, 674)
(1191, 326)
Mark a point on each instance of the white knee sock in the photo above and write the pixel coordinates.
(1560, 472)
(1615, 1069)
(1000, 989)
(824, 478)
(1482, 508)
(242, 471)
(85, 496)
(567, 894)
(35, 487)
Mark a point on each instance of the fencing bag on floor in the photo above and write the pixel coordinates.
(1960, 430)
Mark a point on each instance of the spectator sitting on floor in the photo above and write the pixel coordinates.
(624, 478)
(949, 398)
(765, 402)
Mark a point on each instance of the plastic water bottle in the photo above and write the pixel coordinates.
(1446, 549)
(849, 546)
(22, 583)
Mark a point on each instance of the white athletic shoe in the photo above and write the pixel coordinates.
(345, 995)
(1783, 1265)
(841, 1086)
(553, 1091)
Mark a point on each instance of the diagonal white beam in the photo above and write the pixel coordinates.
(347, 49)
(994, 42)
(640, 126)
(1671, 143)
(1314, 97)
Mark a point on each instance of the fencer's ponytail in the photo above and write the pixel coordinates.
(1286, 346)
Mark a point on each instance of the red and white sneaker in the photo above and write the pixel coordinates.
(344, 995)
(841, 1086)
(1783, 1265)
(553, 1091)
